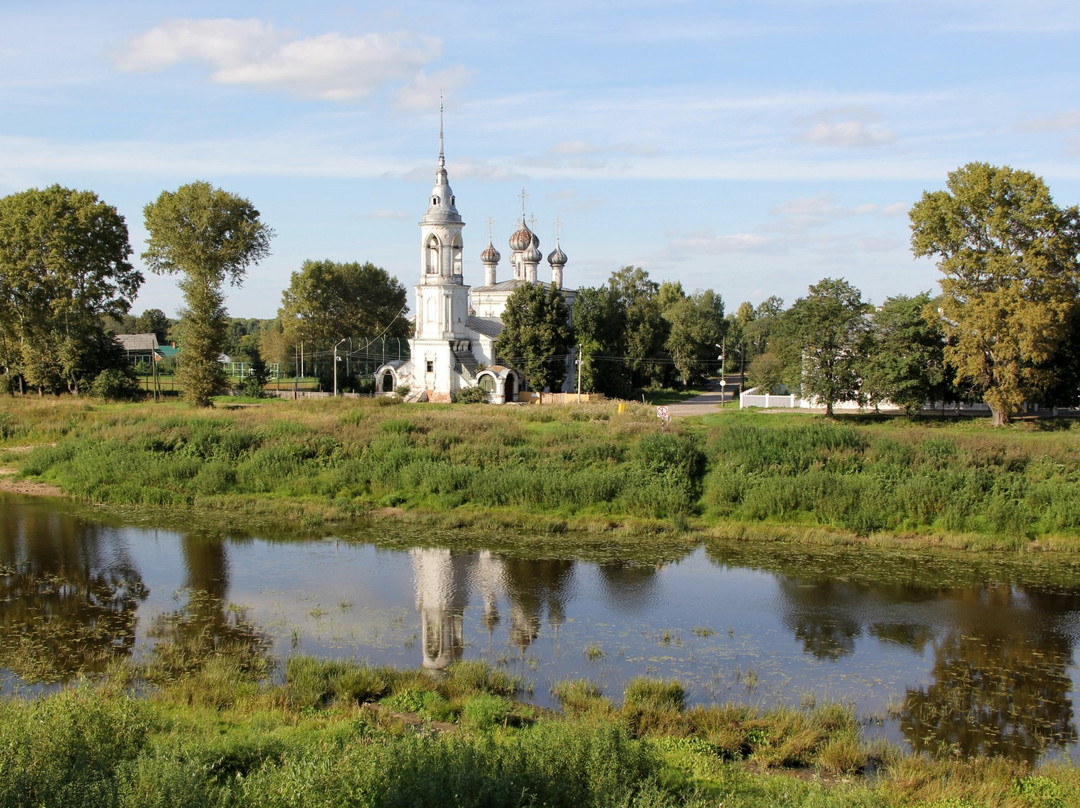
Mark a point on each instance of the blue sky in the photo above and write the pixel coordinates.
(752, 148)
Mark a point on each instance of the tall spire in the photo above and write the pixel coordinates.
(442, 156)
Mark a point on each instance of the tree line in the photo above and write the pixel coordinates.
(1005, 328)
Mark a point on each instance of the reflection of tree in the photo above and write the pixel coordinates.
(628, 588)
(533, 586)
(206, 624)
(822, 615)
(68, 595)
(1000, 685)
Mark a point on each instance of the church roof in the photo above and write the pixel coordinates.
(485, 326)
(502, 286)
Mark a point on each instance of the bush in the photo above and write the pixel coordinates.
(116, 384)
(471, 395)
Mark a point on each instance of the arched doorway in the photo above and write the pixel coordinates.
(388, 382)
(511, 387)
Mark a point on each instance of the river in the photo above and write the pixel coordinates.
(933, 652)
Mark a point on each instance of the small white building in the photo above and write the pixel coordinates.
(456, 325)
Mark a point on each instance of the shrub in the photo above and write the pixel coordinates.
(471, 395)
(116, 384)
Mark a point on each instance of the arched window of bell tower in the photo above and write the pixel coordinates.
(431, 256)
(455, 253)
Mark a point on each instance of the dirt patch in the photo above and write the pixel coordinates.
(26, 487)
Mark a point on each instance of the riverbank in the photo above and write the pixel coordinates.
(588, 469)
(217, 728)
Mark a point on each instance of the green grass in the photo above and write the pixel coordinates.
(564, 468)
(342, 734)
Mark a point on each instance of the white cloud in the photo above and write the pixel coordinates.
(1052, 123)
(331, 67)
(848, 135)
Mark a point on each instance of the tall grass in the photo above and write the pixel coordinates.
(306, 742)
(329, 460)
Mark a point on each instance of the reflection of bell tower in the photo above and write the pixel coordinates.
(441, 596)
(489, 579)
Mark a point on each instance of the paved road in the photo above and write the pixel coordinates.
(707, 402)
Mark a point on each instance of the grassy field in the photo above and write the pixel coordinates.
(217, 728)
(558, 468)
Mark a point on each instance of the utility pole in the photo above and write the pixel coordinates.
(335, 365)
(579, 357)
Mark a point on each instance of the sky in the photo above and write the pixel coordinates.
(751, 148)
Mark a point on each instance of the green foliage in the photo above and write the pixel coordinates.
(580, 697)
(65, 750)
(645, 330)
(471, 395)
(823, 338)
(312, 682)
(1010, 259)
(485, 712)
(327, 300)
(63, 269)
(209, 236)
(906, 361)
(536, 335)
(116, 384)
(696, 327)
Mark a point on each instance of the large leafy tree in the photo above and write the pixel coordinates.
(1008, 255)
(906, 362)
(209, 236)
(696, 326)
(154, 321)
(63, 270)
(536, 335)
(645, 330)
(326, 301)
(598, 319)
(823, 341)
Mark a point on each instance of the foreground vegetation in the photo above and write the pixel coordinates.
(556, 468)
(225, 732)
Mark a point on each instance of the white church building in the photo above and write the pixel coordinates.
(456, 325)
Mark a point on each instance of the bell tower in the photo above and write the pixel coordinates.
(442, 298)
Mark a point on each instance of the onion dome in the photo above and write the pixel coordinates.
(532, 256)
(522, 239)
(490, 255)
(557, 257)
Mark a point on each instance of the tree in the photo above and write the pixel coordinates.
(1009, 259)
(154, 321)
(536, 335)
(758, 329)
(906, 362)
(645, 329)
(209, 236)
(326, 301)
(766, 372)
(823, 340)
(696, 327)
(63, 270)
(598, 319)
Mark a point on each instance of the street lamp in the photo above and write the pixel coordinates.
(335, 365)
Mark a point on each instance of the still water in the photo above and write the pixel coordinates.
(968, 659)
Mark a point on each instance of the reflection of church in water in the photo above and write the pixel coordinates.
(445, 580)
